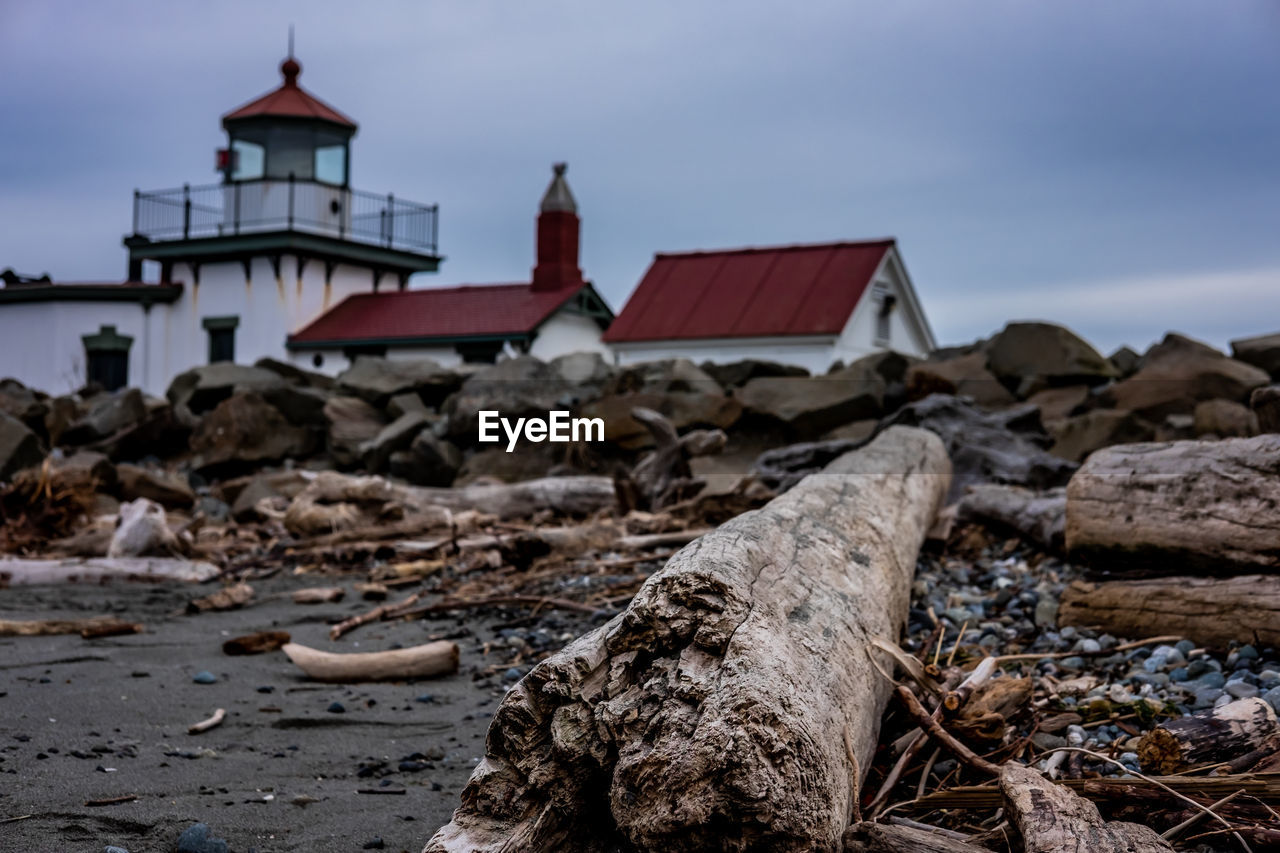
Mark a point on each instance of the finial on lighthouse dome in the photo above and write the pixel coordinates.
(291, 68)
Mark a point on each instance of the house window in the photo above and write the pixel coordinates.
(884, 308)
(222, 337)
(106, 356)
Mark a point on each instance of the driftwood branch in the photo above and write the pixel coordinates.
(426, 661)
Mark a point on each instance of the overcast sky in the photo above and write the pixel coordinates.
(1110, 164)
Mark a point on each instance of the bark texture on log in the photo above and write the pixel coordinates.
(1052, 819)
(732, 706)
(1209, 737)
(1178, 508)
(881, 838)
(1209, 611)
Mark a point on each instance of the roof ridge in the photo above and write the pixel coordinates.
(787, 247)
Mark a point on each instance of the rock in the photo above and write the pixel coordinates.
(1176, 374)
(19, 401)
(1056, 404)
(351, 422)
(517, 388)
(377, 380)
(143, 530)
(1176, 428)
(738, 373)
(1027, 357)
(158, 434)
(108, 414)
(530, 463)
(336, 708)
(295, 374)
(397, 435)
(964, 375)
(685, 410)
(301, 405)
(1125, 361)
(1263, 352)
(111, 848)
(429, 461)
(1039, 517)
(1076, 437)
(201, 389)
(245, 506)
(19, 446)
(166, 490)
(83, 471)
(809, 406)
(61, 413)
(664, 376)
(199, 839)
(853, 431)
(204, 677)
(1224, 418)
(1265, 403)
(403, 404)
(245, 430)
(583, 369)
(988, 447)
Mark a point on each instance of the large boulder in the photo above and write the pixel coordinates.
(350, 423)
(135, 481)
(1224, 419)
(245, 430)
(1177, 374)
(108, 414)
(664, 376)
(1265, 403)
(495, 463)
(200, 389)
(19, 401)
(1263, 352)
(377, 380)
(685, 410)
(735, 374)
(295, 374)
(302, 405)
(516, 388)
(1056, 404)
(1078, 436)
(397, 435)
(809, 406)
(988, 447)
(1028, 357)
(1125, 361)
(429, 461)
(19, 446)
(964, 375)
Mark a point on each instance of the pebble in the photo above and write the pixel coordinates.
(1242, 689)
(1273, 696)
(112, 849)
(1090, 646)
(1206, 696)
(375, 844)
(204, 676)
(425, 697)
(336, 708)
(197, 839)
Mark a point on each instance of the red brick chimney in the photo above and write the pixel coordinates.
(558, 225)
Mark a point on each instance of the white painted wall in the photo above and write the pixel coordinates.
(565, 333)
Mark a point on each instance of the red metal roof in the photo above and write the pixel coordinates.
(754, 292)
(290, 101)
(436, 312)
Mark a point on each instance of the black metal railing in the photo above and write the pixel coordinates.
(247, 207)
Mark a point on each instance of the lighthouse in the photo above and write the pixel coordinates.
(280, 239)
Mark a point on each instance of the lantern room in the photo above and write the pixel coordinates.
(287, 134)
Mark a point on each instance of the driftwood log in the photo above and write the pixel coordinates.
(1183, 507)
(732, 705)
(882, 838)
(1052, 819)
(98, 626)
(1209, 611)
(426, 661)
(1208, 737)
(664, 477)
(1036, 516)
(16, 571)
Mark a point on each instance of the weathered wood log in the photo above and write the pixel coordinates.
(1039, 517)
(1182, 507)
(1052, 819)
(869, 837)
(336, 502)
(98, 626)
(1209, 611)
(1208, 737)
(663, 477)
(1263, 787)
(16, 571)
(732, 705)
(426, 661)
(318, 595)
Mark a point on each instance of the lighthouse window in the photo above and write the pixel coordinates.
(107, 358)
(246, 160)
(331, 164)
(222, 337)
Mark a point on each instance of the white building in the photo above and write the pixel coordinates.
(246, 263)
(807, 305)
